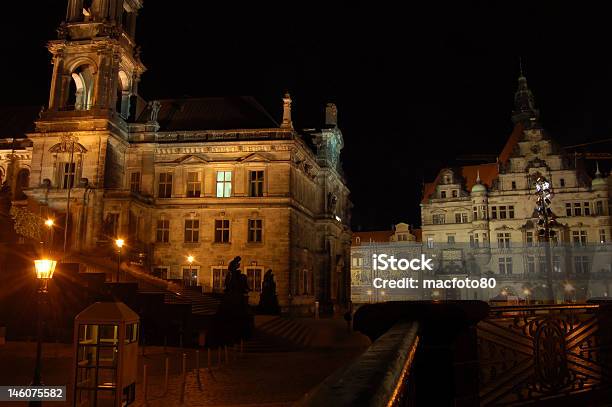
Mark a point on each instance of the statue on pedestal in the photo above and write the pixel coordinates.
(234, 319)
(268, 301)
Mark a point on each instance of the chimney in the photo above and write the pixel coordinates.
(331, 115)
(287, 123)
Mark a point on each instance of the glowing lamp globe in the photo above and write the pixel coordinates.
(44, 268)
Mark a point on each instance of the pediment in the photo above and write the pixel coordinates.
(192, 159)
(254, 157)
(504, 227)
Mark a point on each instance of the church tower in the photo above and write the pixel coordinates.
(81, 138)
(95, 60)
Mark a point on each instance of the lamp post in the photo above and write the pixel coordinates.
(546, 220)
(190, 261)
(44, 269)
(49, 224)
(119, 242)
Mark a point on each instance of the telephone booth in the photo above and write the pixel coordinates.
(106, 355)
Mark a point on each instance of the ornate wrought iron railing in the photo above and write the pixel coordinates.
(528, 354)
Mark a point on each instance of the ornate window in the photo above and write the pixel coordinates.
(68, 162)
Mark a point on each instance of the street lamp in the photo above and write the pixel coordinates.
(190, 261)
(44, 269)
(546, 220)
(49, 224)
(119, 242)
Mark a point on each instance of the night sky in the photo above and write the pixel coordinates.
(416, 86)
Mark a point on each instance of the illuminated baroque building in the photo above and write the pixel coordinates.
(488, 212)
(213, 178)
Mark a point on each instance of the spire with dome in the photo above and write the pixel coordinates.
(478, 187)
(524, 111)
(599, 181)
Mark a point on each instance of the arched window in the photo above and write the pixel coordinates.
(80, 94)
(23, 181)
(122, 105)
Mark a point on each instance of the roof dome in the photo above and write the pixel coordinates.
(599, 181)
(479, 188)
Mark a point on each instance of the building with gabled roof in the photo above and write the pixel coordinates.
(490, 208)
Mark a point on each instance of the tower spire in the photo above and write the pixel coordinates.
(478, 176)
(525, 111)
(597, 172)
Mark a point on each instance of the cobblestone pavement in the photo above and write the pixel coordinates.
(246, 379)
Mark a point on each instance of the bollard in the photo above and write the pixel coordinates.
(182, 400)
(316, 309)
(208, 363)
(226, 354)
(167, 372)
(144, 383)
(165, 343)
(198, 369)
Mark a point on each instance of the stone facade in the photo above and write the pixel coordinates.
(213, 178)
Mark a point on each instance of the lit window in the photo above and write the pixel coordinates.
(224, 184)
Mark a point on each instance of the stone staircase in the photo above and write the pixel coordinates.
(278, 334)
(201, 303)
